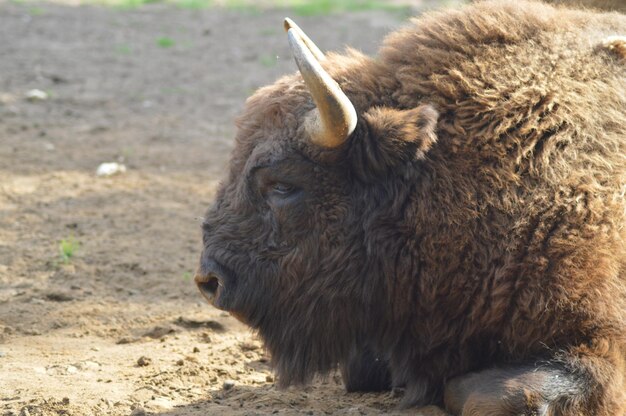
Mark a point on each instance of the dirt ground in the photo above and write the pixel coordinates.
(117, 327)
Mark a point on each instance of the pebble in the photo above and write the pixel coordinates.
(269, 378)
(138, 411)
(397, 392)
(161, 403)
(250, 345)
(88, 365)
(59, 297)
(159, 332)
(180, 362)
(195, 349)
(229, 384)
(144, 361)
(127, 340)
(37, 95)
(110, 169)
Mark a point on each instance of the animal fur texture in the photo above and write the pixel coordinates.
(468, 241)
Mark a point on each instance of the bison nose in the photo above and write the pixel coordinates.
(208, 284)
(210, 279)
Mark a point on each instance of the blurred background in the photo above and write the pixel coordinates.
(116, 123)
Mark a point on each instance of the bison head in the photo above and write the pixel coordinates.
(299, 240)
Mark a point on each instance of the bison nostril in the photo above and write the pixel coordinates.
(208, 286)
(215, 282)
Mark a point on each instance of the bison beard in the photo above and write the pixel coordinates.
(448, 218)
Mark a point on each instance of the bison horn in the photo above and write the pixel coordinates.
(317, 53)
(335, 117)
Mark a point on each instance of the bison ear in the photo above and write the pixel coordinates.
(393, 139)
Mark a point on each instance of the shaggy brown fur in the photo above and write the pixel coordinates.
(470, 235)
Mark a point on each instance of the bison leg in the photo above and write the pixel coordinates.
(507, 392)
(365, 371)
(575, 385)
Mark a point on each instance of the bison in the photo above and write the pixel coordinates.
(448, 218)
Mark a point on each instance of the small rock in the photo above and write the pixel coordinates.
(269, 378)
(250, 345)
(59, 297)
(65, 401)
(159, 332)
(127, 340)
(110, 169)
(144, 361)
(2, 354)
(36, 95)
(397, 392)
(138, 411)
(57, 79)
(195, 323)
(195, 349)
(88, 366)
(180, 362)
(160, 403)
(228, 384)
(71, 369)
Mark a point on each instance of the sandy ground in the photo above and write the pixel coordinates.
(119, 328)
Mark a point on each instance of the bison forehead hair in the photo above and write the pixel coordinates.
(453, 205)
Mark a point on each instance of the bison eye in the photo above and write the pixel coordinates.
(282, 189)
